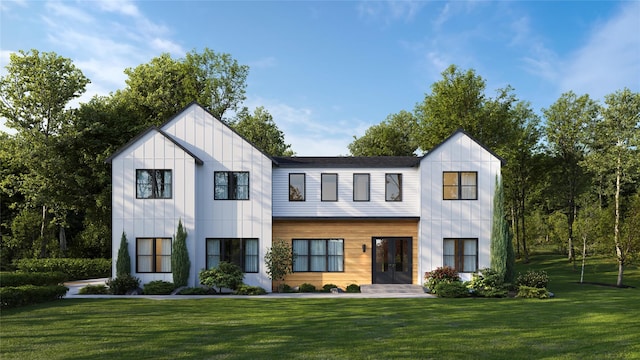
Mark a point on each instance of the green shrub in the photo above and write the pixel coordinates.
(75, 269)
(528, 292)
(327, 287)
(123, 261)
(440, 275)
(197, 291)
(488, 283)
(158, 287)
(307, 288)
(244, 289)
(286, 288)
(180, 263)
(536, 279)
(30, 294)
(37, 278)
(94, 290)
(353, 288)
(122, 284)
(225, 275)
(455, 289)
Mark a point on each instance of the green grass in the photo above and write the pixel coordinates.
(582, 322)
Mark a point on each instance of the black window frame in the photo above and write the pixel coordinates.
(155, 193)
(322, 192)
(459, 255)
(368, 186)
(232, 185)
(154, 255)
(459, 186)
(309, 256)
(225, 253)
(386, 187)
(304, 185)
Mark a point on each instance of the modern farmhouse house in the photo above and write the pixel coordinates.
(349, 220)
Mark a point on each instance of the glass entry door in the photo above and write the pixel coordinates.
(392, 260)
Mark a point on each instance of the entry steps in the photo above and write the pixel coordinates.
(391, 289)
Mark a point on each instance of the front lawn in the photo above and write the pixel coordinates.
(582, 322)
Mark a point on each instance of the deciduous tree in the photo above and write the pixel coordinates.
(395, 136)
(260, 129)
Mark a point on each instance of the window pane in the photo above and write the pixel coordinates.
(251, 255)
(329, 187)
(361, 187)
(300, 252)
(469, 182)
(470, 255)
(163, 255)
(213, 253)
(296, 187)
(241, 180)
(166, 185)
(449, 251)
(336, 255)
(450, 185)
(393, 187)
(221, 185)
(143, 184)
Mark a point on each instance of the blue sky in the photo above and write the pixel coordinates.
(328, 70)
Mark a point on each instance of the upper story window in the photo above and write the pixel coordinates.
(460, 185)
(393, 187)
(296, 187)
(242, 252)
(153, 255)
(361, 187)
(153, 184)
(461, 254)
(329, 187)
(231, 185)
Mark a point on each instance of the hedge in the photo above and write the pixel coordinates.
(75, 269)
(30, 294)
(35, 278)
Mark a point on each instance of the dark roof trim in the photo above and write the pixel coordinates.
(349, 161)
(109, 160)
(344, 218)
(461, 130)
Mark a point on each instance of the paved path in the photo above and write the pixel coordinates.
(75, 286)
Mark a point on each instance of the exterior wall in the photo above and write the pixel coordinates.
(456, 218)
(345, 206)
(357, 265)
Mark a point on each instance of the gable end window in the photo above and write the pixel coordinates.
(231, 185)
(393, 187)
(361, 187)
(460, 185)
(297, 184)
(461, 254)
(153, 184)
(242, 252)
(318, 255)
(329, 187)
(153, 255)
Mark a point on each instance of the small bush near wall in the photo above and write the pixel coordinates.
(122, 284)
(249, 290)
(536, 279)
(353, 288)
(197, 291)
(36, 278)
(327, 287)
(307, 288)
(30, 294)
(94, 290)
(158, 287)
(440, 275)
(75, 269)
(454, 289)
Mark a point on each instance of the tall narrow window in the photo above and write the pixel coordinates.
(231, 185)
(461, 254)
(242, 252)
(153, 184)
(393, 187)
(460, 185)
(329, 187)
(153, 255)
(360, 187)
(318, 255)
(296, 187)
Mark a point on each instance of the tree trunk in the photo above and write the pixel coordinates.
(523, 234)
(62, 236)
(514, 226)
(616, 229)
(43, 241)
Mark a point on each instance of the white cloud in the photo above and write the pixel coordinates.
(119, 6)
(59, 10)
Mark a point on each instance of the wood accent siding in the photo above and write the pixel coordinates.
(357, 265)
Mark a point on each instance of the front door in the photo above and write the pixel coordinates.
(392, 260)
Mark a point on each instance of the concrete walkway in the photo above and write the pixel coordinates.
(75, 286)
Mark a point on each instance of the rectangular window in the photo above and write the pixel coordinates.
(296, 187)
(318, 255)
(461, 254)
(231, 185)
(242, 252)
(360, 187)
(393, 187)
(153, 255)
(329, 187)
(153, 184)
(460, 185)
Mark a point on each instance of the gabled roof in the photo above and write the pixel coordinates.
(347, 161)
(461, 131)
(141, 135)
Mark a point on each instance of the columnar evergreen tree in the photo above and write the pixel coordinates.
(123, 262)
(180, 263)
(502, 255)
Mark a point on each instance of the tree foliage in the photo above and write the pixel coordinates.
(123, 261)
(260, 129)
(395, 136)
(180, 263)
(502, 255)
(279, 260)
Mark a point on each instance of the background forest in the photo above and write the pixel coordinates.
(571, 174)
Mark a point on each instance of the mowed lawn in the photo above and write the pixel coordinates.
(581, 322)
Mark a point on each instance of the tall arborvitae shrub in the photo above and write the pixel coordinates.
(180, 263)
(123, 262)
(502, 254)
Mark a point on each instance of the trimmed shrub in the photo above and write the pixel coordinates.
(488, 283)
(353, 288)
(528, 292)
(307, 288)
(226, 275)
(123, 261)
(122, 284)
(94, 290)
(455, 289)
(158, 287)
(536, 279)
(443, 274)
(327, 287)
(180, 263)
(197, 291)
(36, 278)
(244, 289)
(286, 288)
(30, 294)
(75, 269)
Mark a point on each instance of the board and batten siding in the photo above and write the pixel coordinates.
(377, 206)
(442, 219)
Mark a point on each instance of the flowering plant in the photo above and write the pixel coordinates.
(443, 274)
